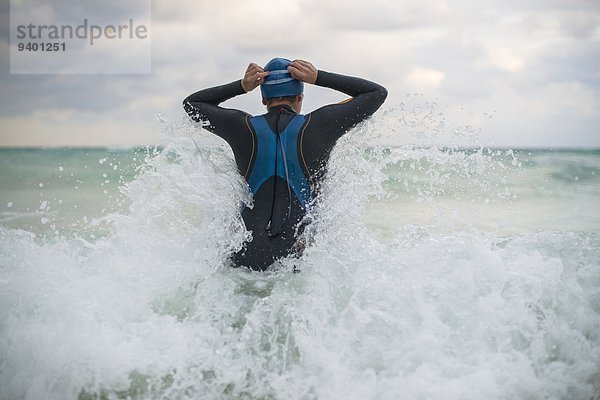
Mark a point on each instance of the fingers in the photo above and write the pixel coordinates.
(253, 69)
(296, 66)
(256, 75)
(260, 76)
(252, 66)
(253, 77)
(303, 71)
(303, 64)
(294, 71)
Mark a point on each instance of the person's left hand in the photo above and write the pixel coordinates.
(253, 77)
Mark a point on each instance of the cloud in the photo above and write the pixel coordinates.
(506, 59)
(74, 129)
(579, 24)
(530, 61)
(574, 62)
(71, 11)
(377, 15)
(424, 78)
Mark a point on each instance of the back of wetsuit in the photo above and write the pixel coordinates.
(277, 179)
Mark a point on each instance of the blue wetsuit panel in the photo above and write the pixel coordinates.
(269, 149)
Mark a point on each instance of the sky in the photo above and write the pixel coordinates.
(520, 73)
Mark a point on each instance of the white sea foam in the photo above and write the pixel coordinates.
(387, 305)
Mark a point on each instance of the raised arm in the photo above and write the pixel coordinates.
(204, 104)
(230, 124)
(227, 123)
(327, 124)
(366, 97)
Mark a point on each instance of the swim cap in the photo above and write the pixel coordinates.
(279, 82)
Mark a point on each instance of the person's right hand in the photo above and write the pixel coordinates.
(303, 71)
(253, 77)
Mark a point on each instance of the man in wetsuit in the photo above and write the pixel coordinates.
(282, 154)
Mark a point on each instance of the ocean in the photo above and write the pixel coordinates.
(431, 273)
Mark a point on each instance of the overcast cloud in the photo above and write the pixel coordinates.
(532, 65)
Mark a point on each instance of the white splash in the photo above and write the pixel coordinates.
(381, 310)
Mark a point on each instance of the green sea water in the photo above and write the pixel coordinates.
(65, 189)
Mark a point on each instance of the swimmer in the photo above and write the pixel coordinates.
(283, 153)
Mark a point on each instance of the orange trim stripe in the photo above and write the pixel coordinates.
(310, 178)
(252, 154)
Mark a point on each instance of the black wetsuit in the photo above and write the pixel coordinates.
(274, 202)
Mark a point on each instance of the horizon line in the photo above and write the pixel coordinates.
(150, 146)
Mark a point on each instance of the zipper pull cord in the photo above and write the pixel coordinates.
(279, 143)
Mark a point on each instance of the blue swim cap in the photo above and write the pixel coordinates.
(279, 82)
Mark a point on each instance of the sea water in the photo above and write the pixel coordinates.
(431, 273)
